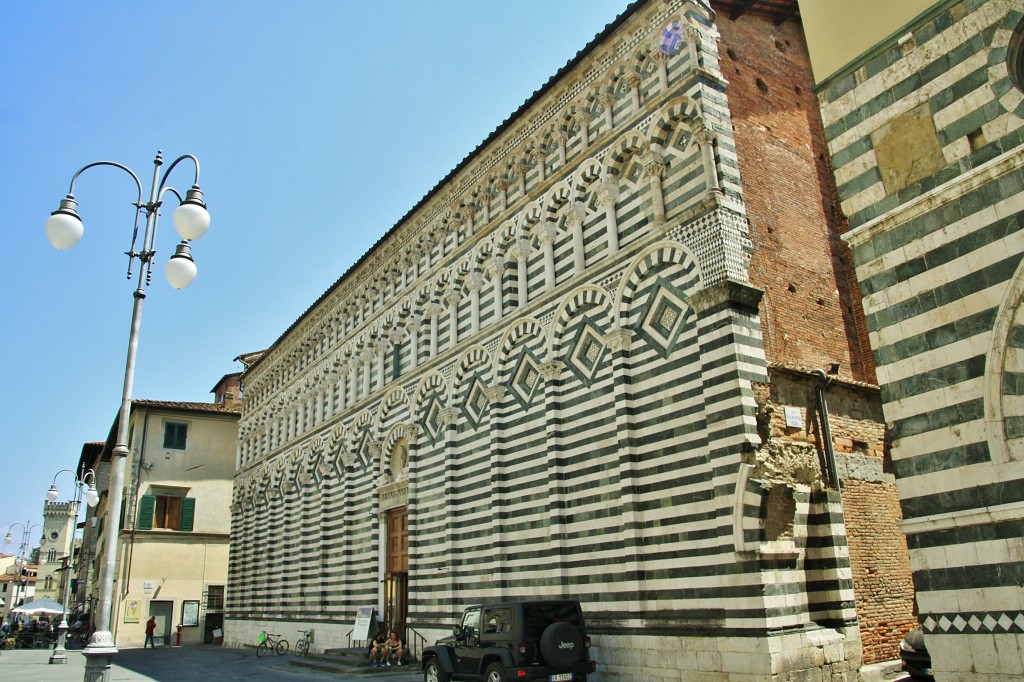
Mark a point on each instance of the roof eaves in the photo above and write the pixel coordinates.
(505, 125)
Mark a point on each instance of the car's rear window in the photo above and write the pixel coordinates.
(536, 617)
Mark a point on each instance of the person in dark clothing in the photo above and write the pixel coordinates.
(150, 628)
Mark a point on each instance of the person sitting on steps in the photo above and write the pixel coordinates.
(394, 648)
(378, 649)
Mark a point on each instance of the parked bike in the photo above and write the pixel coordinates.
(269, 642)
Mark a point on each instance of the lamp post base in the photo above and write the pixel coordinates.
(60, 655)
(99, 657)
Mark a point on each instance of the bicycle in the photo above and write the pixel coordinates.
(302, 646)
(273, 643)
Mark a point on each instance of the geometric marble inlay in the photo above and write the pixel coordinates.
(476, 403)
(585, 353)
(663, 318)
(525, 377)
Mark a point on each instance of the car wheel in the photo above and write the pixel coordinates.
(432, 672)
(561, 645)
(494, 673)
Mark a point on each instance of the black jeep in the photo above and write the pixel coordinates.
(512, 641)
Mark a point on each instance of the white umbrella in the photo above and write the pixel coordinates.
(40, 606)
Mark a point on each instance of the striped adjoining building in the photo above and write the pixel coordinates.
(598, 360)
(926, 133)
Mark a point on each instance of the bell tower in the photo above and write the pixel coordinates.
(55, 549)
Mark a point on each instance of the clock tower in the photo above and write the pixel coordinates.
(55, 549)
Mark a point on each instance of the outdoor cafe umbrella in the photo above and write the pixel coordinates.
(40, 606)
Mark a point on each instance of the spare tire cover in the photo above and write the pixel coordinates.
(561, 645)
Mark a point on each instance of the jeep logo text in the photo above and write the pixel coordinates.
(566, 645)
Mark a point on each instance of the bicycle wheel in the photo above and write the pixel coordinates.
(302, 647)
(282, 647)
(261, 649)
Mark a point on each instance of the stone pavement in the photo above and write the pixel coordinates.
(213, 663)
(182, 664)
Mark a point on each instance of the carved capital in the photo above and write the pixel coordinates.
(448, 415)
(551, 370)
(452, 297)
(655, 169)
(520, 252)
(475, 281)
(495, 267)
(576, 215)
(495, 393)
(434, 309)
(546, 233)
(607, 194)
(619, 339)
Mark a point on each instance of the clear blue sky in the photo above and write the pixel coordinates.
(318, 124)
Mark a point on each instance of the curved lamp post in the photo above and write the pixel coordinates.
(59, 654)
(26, 530)
(64, 228)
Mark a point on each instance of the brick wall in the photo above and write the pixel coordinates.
(811, 314)
(878, 550)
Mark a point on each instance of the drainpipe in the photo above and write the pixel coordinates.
(826, 431)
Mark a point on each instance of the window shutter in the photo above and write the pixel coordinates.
(146, 507)
(188, 513)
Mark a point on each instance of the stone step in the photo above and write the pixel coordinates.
(348, 661)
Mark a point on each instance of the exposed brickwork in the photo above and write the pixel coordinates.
(878, 550)
(881, 567)
(811, 314)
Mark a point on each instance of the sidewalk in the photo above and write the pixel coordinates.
(215, 663)
(34, 664)
(182, 664)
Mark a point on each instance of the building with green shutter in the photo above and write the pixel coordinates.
(173, 553)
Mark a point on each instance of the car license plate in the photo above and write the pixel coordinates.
(561, 677)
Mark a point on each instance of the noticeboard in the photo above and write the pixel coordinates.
(364, 618)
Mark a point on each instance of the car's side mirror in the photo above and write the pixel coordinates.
(457, 630)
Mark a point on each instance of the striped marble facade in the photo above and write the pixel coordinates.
(563, 338)
(937, 246)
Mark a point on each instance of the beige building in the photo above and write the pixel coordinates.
(173, 546)
(16, 586)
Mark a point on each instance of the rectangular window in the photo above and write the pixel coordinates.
(215, 598)
(175, 436)
(170, 512)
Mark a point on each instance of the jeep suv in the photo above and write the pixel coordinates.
(512, 641)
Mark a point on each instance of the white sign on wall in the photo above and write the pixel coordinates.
(794, 417)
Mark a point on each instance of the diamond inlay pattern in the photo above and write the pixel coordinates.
(663, 318)
(586, 352)
(476, 403)
(975, 623)
(525, 378)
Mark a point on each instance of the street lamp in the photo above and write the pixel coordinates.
(63, 229)
(26, 529)
(59, 654)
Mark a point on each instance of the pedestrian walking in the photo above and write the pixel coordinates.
(150, 627)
